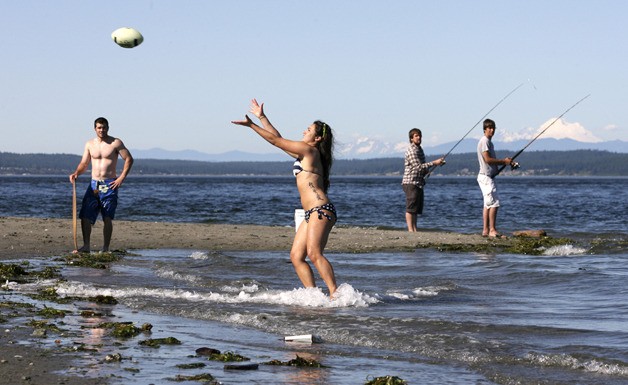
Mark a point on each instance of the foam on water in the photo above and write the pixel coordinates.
(171, 274)
(200, 255)
(346, 295)
(417, 293)
(564, 250)
(588, 365)
(247, 288)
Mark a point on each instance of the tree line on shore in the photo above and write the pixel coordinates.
(533, 163)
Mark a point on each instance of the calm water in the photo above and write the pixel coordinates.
(561, 206)
(426, 316)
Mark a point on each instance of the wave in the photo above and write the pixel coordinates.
(564, 250)
(345, 296)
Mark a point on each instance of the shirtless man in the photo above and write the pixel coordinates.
(102, 193)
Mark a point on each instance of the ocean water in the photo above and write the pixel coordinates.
(426, 316)
(561, 206)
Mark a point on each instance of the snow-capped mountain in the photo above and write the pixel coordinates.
(367, 148)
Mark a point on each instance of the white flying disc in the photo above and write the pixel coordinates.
(127, 37)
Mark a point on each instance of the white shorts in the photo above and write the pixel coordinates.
(489, 192)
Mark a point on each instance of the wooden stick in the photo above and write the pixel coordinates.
(74, 215)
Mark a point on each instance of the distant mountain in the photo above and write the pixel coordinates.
(469, 145)
(229, 156)
(370, 148)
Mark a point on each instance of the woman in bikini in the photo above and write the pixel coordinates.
(313, 157)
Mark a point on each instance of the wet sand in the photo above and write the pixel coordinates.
(28, 237)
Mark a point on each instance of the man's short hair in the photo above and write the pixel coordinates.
(488, 123)
(102, 121)
(414, 131)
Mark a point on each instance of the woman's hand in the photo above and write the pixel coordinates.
(247, 122)
(257, 109)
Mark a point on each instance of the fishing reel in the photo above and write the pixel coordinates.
(514, 165)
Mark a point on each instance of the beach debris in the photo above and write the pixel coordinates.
(206, 378)
(303, 339)
(385, 380)
(299, 362)
(247, 366)
(530, 233)
(157, 342)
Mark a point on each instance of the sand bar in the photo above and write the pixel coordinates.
(29, 237)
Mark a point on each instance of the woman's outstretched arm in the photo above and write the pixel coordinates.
(268, 131)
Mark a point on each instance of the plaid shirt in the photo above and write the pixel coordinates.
(415, 167)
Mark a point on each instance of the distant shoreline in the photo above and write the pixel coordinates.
(579, 163)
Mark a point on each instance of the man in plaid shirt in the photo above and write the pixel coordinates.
(414, 174)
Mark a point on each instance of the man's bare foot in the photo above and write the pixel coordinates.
(83, 249)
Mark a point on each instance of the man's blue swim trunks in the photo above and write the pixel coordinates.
(99, 198)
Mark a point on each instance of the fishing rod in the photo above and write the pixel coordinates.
(478, 122)
(515, 164)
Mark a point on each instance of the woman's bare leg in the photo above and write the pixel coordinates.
(317, 236)
(298, 253)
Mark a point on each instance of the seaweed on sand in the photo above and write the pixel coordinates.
(157, 342)
(299, 362)
(95, 260)
(227, 357)
(205, 378)
(386, 380)
(124, 329)
(515, 245)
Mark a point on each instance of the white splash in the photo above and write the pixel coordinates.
(201, 255)
(345, 296)
(564, 250)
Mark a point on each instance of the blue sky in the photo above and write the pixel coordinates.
(369, 68)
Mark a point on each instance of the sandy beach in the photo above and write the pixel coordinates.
(28, 237)
(24, 238)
